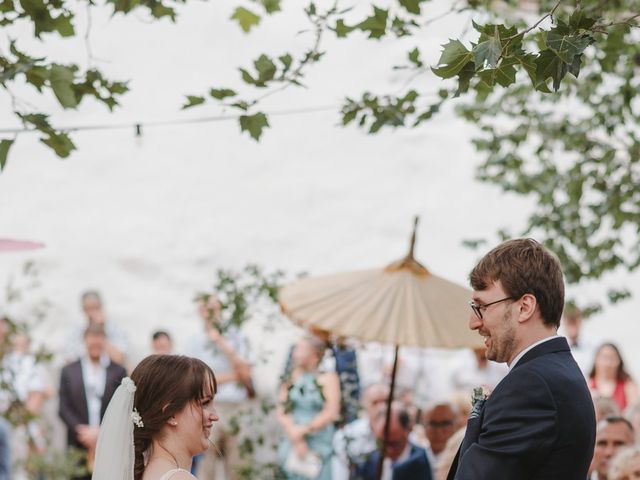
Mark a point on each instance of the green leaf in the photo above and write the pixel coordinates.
(222, 93)
(412, 6)
(414, 57)
(124, 6)
(286, 61)
(487, 53)
(60, 143)
(550, 65)
(5, 145)
(464, 78)
(266, 70)
(245, 18)
(454, 58)
(342, 30)
(192, 101)
(568, 46)
(62, 24)
(579, 21)
(504, 74)
(61, 80)
(254, 124)
(271, 6)
(376, 24)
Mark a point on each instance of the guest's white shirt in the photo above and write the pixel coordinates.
(94, 377)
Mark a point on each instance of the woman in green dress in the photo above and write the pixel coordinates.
(309, 405)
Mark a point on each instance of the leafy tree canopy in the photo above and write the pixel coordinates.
(551, 85)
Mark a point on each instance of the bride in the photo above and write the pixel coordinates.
(157, 421)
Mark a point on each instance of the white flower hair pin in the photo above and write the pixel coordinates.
(136, 418)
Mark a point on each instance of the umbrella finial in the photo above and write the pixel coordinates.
(412, 244)
(409, 262)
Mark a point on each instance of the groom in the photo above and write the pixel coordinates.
(539, 422)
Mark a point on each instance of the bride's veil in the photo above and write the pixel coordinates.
(114, 451)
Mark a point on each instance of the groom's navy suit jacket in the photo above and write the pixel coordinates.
(538, 424)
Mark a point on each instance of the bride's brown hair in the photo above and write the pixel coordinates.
(165, 384)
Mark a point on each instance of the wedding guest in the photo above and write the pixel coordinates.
(340, 357)
(583, 348)
(86, 386)
(224, 349)
(448, 454)
(356, 439)
(157, 420)
(440, 422)
(625, 465)
(609, 378)
(402, 459)
(161, 343)
(116, 344)
(23, 391)
(612, 434)
(30, 388)
(309, 404)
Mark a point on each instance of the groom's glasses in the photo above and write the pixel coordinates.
(477, 309)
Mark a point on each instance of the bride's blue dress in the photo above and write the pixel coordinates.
(306, 401)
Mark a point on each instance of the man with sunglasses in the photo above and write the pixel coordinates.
(539, 421)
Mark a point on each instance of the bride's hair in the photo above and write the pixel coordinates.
(165, 384)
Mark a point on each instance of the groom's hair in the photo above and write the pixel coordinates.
(522, 266)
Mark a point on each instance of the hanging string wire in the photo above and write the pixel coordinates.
(139, 126)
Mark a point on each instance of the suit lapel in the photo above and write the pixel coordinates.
(471, 435)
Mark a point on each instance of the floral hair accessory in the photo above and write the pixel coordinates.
(136, 418)
(128, 384)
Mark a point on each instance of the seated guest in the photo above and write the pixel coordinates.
(353, 441)
(612, 434)
(402, 459)
(625, 465)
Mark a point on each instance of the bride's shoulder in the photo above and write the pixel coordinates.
(177, 474)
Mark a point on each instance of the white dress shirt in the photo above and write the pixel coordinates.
(94, 377)
(523, 352)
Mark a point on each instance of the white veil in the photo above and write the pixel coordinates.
(114, 451)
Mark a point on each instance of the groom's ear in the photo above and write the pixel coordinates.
(528, 305)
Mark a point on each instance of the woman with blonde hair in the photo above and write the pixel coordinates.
(309, 405)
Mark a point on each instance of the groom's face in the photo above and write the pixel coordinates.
(496, 326)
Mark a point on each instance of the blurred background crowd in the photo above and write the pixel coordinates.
(329, 408)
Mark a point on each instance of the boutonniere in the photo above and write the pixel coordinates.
(477, 402)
